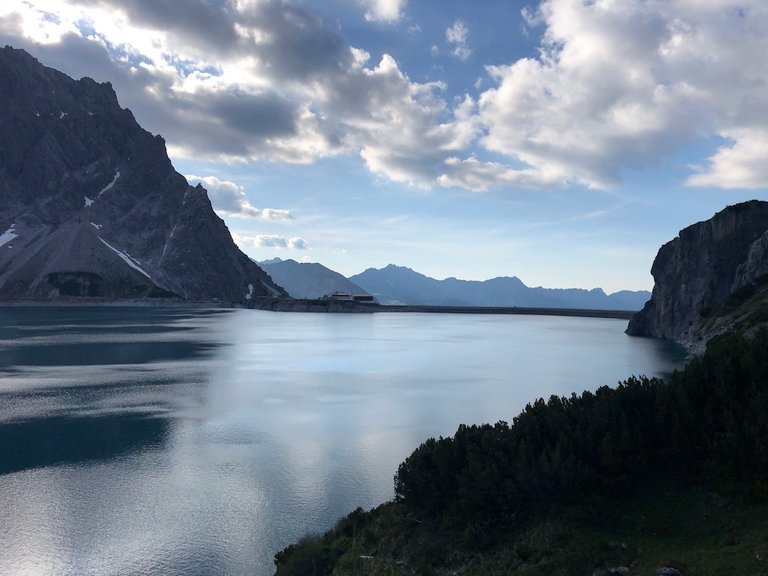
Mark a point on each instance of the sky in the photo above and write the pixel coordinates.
(561, 141)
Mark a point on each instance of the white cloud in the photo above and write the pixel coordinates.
(297, 243)
(219, 82)
(266, 81)
(743, 163)
(384, 10)
(478, 176)
(403, 130)
(457, 36)
(619, 85)
(246, 241)
(228, 198)
(275, 241)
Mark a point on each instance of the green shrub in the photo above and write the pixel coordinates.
(710, 418)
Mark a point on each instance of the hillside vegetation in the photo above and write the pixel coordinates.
(648, 475)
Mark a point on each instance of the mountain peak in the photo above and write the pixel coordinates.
(95, 205)
(399, 285)
(309, 279)
(396, 267)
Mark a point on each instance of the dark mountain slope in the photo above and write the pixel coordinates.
(90, 204)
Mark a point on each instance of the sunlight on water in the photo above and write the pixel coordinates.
(149, 441)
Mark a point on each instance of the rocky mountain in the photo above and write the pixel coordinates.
(400, 285)
(308, 280)
(90, 204)
(709, 279)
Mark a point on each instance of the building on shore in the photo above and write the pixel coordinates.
(349, 297)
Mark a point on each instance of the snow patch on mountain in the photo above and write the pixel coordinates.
(8, 235)
(128, 260)
(109, 186)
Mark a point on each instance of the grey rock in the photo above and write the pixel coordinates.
(668, 571)
(755, 265)
(90, 204)
(701, 268)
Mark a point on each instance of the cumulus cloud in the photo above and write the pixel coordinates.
(619, 85)
(403, 130)
(384, 10)
(739, 164)
(277, 241)
(457, 36)
(245, 241)
(478, 176)
(230, 199)
(268, 81)
(297, 243)
(616, 86)
(222, 81)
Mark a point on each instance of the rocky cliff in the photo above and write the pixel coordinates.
(90, 204)
(709, 278)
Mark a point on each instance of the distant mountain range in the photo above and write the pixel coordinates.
(90, 205)
(400, 285)
(307, 280)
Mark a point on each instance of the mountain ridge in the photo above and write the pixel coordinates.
(91, 206)
(402, 285)
(308, 279)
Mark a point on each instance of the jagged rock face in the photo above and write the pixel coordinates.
(90, 204)
(755, 266)
(701, 268)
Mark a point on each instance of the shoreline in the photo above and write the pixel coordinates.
(341, 306)
(325, 306)
(107, 303)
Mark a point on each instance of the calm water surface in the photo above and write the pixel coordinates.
(171, 441)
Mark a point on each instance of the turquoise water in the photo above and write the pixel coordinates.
(175, 441)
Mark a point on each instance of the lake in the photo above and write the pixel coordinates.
(178, 441)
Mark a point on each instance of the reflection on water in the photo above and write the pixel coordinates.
(99, 353)
(171, 441)
(60, 441)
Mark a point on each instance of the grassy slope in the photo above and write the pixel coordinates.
(699, 530)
